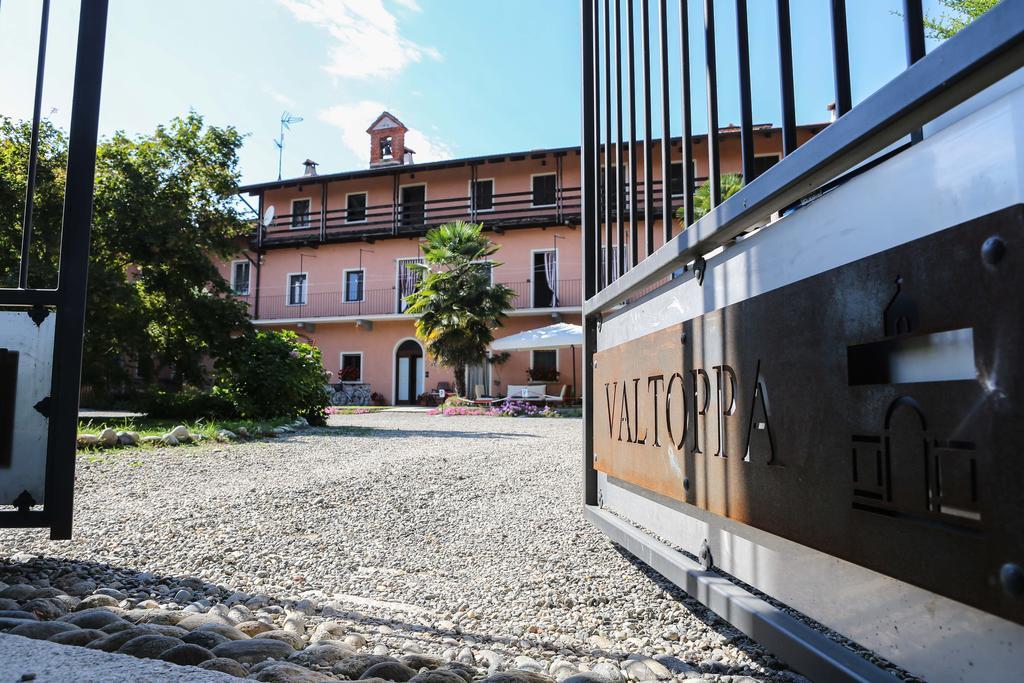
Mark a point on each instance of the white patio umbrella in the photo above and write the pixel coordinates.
(555, 336)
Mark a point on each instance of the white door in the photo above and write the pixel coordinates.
(403, 378)
(419, 375)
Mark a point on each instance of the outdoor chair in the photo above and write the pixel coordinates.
(557, 399)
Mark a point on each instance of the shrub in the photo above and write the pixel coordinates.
(188, 404)
(377, 399)
(273, 374)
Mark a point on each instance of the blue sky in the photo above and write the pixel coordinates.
(467, 76)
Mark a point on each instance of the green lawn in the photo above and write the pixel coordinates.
(151, 427)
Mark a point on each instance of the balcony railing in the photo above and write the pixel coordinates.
(509, 209)
(376, 302)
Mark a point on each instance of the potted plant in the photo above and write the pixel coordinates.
(543, 374)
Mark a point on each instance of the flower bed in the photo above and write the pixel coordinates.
(507, 408)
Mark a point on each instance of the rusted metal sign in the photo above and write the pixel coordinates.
(871, 412)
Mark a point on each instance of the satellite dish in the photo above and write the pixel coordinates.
(268, 216)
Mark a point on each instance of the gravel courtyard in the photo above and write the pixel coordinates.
(459, 537)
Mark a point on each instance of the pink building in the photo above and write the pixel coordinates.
(333, 264)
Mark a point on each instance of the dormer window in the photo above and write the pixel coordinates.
(385, 148)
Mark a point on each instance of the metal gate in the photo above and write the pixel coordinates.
(41, 330)
(804, 406)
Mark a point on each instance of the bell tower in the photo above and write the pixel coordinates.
(387, 142)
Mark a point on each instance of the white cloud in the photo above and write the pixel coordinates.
(353, 120)
(279, 97)
(367, 41)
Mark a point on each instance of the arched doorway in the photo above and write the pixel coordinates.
(408, 372)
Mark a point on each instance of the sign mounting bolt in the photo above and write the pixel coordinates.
(993, 250)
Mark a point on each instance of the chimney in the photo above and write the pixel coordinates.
(387, 142)
(831, 107)
(310, 167)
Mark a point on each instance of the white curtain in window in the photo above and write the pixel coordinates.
(550, 272)
(407, 281)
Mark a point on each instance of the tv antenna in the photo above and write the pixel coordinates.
(286, 122)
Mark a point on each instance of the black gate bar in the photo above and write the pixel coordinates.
(711, 61)
(789, 142)
(686, 141)
(630, 52)
(607, 268)
(666, 136)
(645, 51)
(746, 114)
(33, 150)
(841, 57)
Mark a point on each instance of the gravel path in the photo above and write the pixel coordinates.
(459, 537)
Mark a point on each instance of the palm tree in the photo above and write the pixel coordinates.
(731, 184)
(457, 305)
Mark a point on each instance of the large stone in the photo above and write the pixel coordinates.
(561, 670)
(149, 646)
(18, 614)
(586, 677)
(322, 654)
(187, 654)
(96, 601)
(240, 614)
(636, 670)
(194, 621)
(655, 667)
(610, 671)
(390, 671)
(80, 637)
(180, 433)
(524, 663)
(155, 616)
(88, 441)
(254, 650)
(7, 623)
(224, 666)
(41, 630)
(518, 677)
(46, 608)
(8, 604)
(467, 671)
(254, 627)
(96, 617)
(112, 642)
(117, 627)
(18, 591)
(292, 639)
(418, 661)
(355, 666)
(328, 630)
(112, 592)
(108, 437)
(229, 632)
(283, 672)
(168, 630)
(437, 676)
(204, 638)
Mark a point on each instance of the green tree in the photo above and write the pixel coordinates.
(956, 15)
(457, 305)
(164, 206)
(731, 184)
